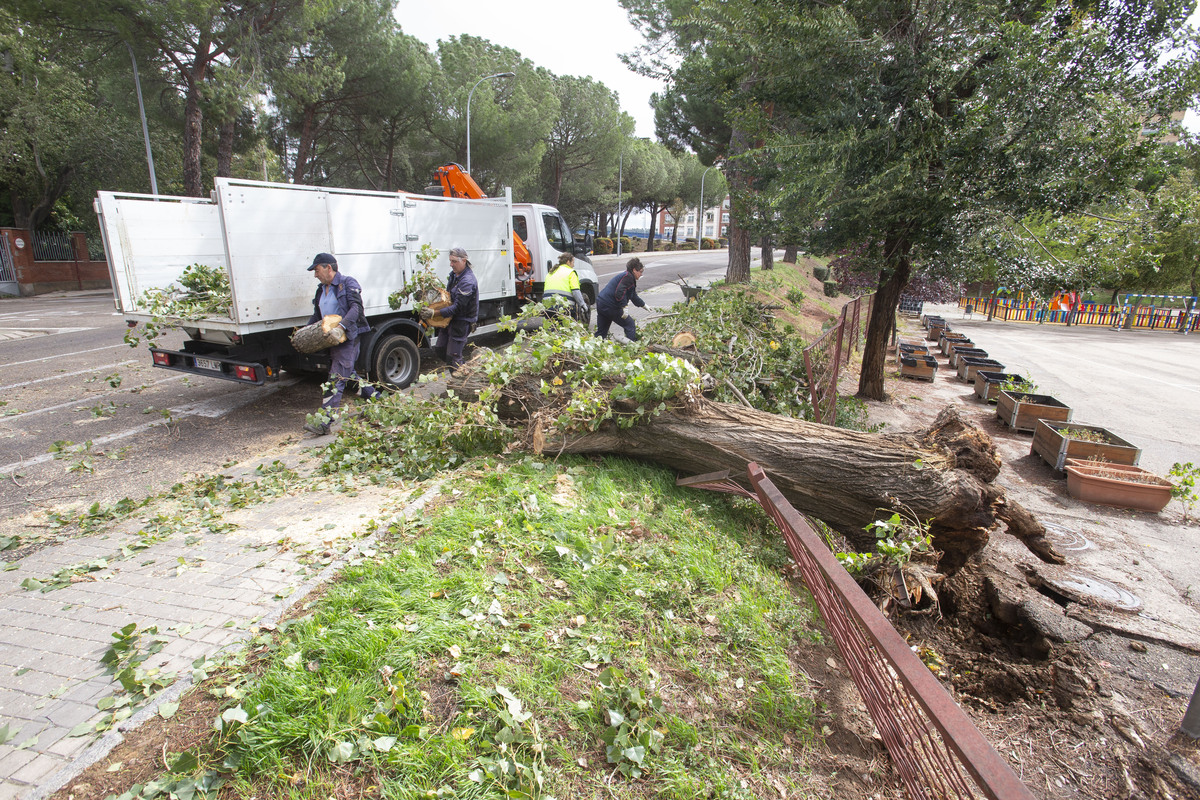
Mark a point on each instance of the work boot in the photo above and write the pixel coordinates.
(318, 430)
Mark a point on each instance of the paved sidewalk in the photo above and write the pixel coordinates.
(204, 592)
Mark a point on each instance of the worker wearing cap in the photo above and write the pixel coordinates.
(338, 294)
(463, 310)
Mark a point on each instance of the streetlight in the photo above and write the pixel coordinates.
(620, 177)
(473, 88)
(700, 217)
(137, 82)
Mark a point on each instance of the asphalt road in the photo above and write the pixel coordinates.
(1144, 386)
(122, 428)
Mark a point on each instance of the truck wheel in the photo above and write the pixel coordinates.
(397, 362)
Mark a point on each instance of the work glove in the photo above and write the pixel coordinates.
(426, 314)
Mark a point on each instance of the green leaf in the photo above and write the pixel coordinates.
(341, 752)
(186, 761)
(615, 718)
(167, 710)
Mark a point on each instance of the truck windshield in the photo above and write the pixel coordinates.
(557, 232)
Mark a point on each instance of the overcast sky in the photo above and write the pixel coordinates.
(577, 37)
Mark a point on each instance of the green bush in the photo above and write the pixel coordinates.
(723, 242)
(627, 245)
(602, 247)
(821, 273)
(831, 289)
(795, 297)
(690, 244)
(665, 246)
(708, 244)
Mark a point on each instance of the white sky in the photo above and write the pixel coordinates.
(576, 37)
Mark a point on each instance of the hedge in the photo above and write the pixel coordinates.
(831, 289)
(602, 247)
(821, 273)
(708, 244)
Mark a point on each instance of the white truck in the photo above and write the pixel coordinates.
(264, 235)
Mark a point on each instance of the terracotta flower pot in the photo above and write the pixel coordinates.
(1108, 485)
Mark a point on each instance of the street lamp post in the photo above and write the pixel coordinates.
(700, 216)
(473, 88)
(137, 82)
(620, 177)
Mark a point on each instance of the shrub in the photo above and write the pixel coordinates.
(690, 239)
(821, 273)
(602, 247)
(627, 245)
(707, 244)
(690, 244)
(831, 288)
(724, 242)
(795, 297)
(665, 246)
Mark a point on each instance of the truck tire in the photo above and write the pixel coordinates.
(397, 362)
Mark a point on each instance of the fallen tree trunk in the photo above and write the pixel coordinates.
(845, 478)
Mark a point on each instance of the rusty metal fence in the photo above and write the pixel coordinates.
(823, 358)
(938, 752)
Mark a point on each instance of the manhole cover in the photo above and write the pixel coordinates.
(1088, 589)
(1066, 539)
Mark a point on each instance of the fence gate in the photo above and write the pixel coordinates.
(8, 272)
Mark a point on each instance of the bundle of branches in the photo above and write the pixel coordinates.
(200, 292)
(752, 359)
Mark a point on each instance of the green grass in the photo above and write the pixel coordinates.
(468, 657)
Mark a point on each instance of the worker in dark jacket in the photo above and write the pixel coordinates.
(338, 294)
(463, 310)
(620, 292)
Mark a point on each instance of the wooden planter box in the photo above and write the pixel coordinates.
(958, 351)
(987, 384)
(1103, 483)
(1055, 449)
(954, 340)
(929, 320)
(1021, 410)
(918, 366)
(907, 349)
(935, 331)
(968, 367)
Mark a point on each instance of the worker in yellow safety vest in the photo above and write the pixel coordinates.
(563, 281)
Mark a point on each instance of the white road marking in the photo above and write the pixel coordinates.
(214, 408)
(69, 374)
(79, 400)
(65, 355)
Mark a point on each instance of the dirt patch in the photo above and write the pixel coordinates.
(1076, 710)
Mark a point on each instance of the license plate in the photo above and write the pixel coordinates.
(208, 363)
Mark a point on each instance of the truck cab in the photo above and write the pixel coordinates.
(547, 235)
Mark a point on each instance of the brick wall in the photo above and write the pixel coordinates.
(40, 277)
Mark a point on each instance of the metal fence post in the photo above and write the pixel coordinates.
(1191, 719)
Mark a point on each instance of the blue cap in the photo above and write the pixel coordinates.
(322, 258)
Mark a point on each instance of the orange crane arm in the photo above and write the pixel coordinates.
(456, 182)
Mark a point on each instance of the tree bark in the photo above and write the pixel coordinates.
(768, 252)
(845, 478)
(738, 270)
(883, 311)
(225, 148)
(790, 254)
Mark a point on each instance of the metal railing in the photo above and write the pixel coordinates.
(8, 272)
(823, 358)
(52, 246)
(1140, 317)
(937, 750)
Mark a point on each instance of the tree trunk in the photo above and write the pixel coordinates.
(768, 252)
(193, 119)
(845, 478)
(225, 148)
(883, 310)
(791, 254)
(738, 270)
